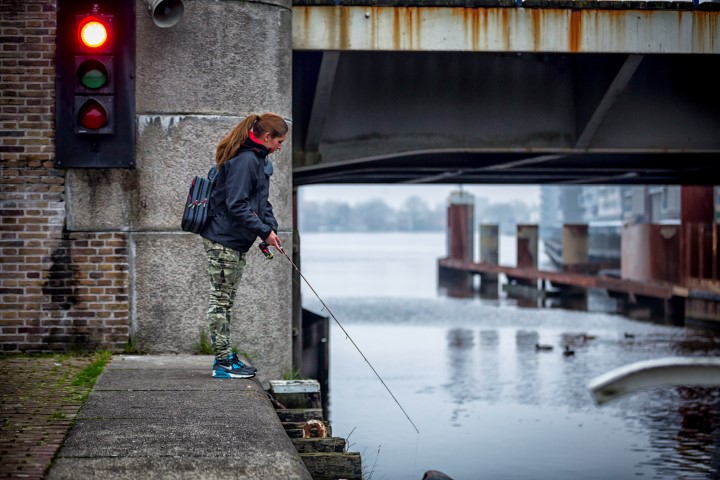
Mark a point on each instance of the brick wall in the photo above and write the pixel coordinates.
(59, 290)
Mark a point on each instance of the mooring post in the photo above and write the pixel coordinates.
(575, 247)
(527, 250)
(460, 245)
(575, 259)
(489, 253)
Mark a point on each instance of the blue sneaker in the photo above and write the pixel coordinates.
(227, 369)
(235, 361)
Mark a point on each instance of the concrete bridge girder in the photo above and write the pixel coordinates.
(580, 112)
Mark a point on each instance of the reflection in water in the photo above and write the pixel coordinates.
(685, 435)
(491, 406)
(699, 421)
(488, 339)
(491, 394)
(462, 380)
(527, 367)
(490, 384)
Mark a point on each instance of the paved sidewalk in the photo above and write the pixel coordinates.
(166, 417)
(37, 406)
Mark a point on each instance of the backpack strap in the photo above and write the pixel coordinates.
(213, 175)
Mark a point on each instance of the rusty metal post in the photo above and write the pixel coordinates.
(575, 247)
(489, 253)
(527, 246)
(697, 205)
(650, 253)
(489, 244)
(460, 226)
(527, 251)
(460, 244)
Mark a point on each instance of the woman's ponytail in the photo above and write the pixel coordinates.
(228, 146)
(259, 124)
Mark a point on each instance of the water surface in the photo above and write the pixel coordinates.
(486, 402)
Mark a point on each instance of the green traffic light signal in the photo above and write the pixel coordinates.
(92, 74)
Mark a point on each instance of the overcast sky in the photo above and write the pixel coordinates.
(395, 195)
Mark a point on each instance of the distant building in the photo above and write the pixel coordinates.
(651, 204)
(602, 203)
(599, 206)
(550, 211)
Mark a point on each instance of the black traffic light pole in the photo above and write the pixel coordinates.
(95, 101)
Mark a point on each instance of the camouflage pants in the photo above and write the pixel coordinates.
(225, 267)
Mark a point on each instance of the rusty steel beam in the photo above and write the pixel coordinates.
(502, 29)
(665, 291)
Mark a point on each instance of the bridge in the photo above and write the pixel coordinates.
(478, 91)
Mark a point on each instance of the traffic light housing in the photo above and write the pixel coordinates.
(95, 115)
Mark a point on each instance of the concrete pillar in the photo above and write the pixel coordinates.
(527, 246)
(574, 246)
(194, 83)
(489, 253)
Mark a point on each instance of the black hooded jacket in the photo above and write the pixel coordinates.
(239, 206)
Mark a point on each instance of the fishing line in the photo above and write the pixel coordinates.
(347, 335)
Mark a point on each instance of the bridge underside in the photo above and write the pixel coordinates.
(461, 117)
(405, 116)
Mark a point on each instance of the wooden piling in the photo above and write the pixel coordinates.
(325, 456)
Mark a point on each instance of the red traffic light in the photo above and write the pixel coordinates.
(94, 82)
(95, 87)
(93, 33)
(92, 115)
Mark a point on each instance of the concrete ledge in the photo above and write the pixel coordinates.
(173, 468)
(166, 417)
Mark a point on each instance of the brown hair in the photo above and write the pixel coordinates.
(270, 123)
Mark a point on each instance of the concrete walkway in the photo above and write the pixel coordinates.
(166, 417)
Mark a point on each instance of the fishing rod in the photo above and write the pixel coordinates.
(264, 248)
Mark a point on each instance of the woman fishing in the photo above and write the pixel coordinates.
(241, 213)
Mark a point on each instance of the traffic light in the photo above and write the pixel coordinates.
(95, 115)
(94, 62)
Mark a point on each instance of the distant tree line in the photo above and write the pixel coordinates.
(413, 216)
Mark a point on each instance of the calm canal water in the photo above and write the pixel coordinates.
(487, 404)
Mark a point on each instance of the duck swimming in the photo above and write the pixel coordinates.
(545, 348)
(567, 352)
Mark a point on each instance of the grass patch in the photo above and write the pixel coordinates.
(204, 345)
(87, 377)
(292, 375)
(248, 356)
(130, 347)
